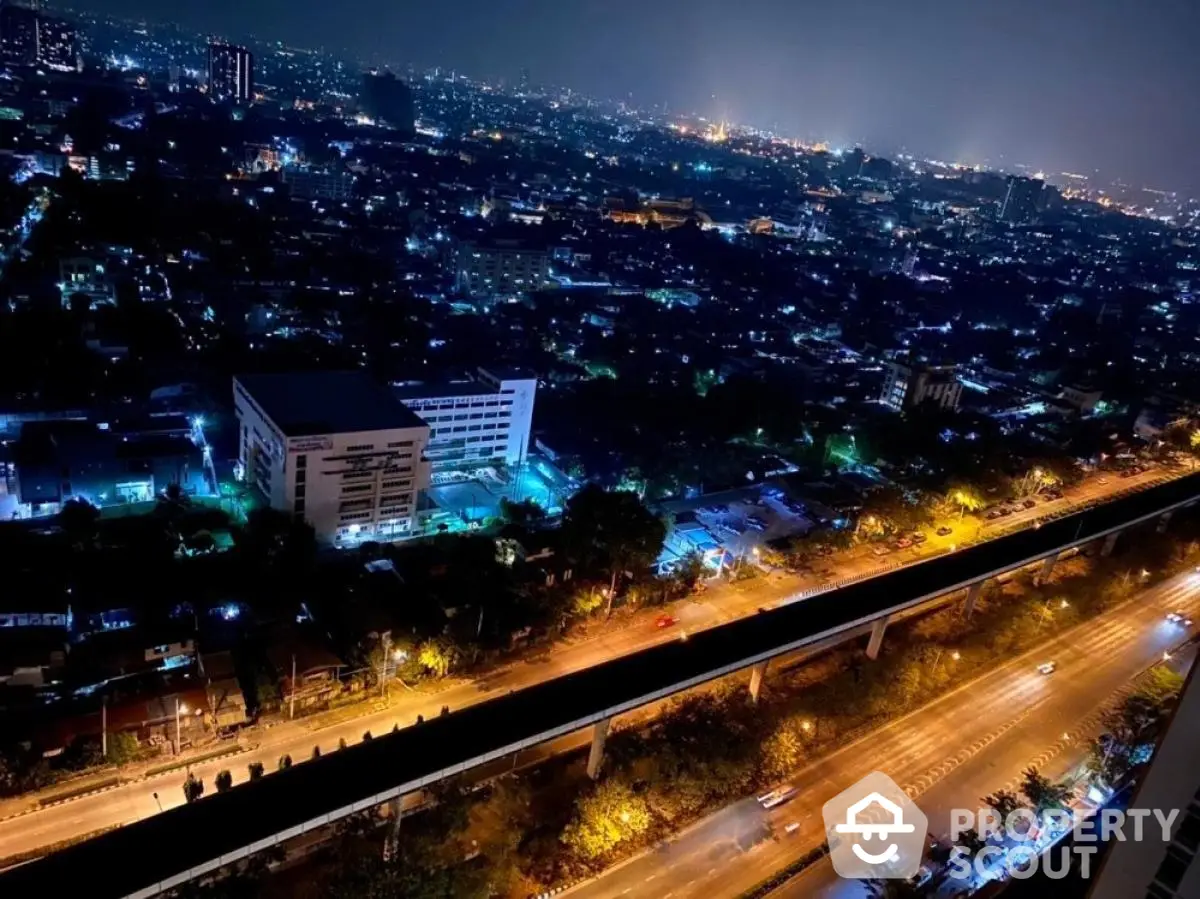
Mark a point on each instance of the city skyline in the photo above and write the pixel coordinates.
(1058, 87)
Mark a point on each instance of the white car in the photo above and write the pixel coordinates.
(1047, 667)
(1178, 618)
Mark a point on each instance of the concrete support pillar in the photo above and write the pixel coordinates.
(1109, 542)
(391, 846)
(596, 756)
(876, 641)
(972, 597)
(1044, 572)
(757, 673)
(1163, 521)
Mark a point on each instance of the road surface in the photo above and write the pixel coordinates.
(137, 799)
(961, 747)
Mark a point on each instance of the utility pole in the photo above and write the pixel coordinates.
(292, 699)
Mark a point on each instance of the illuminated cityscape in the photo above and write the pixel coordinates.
(602, 485)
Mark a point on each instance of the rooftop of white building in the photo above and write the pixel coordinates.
(303, 404)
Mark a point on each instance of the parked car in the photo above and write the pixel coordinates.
(903, 543)
(945, 531)
(919, 538)
(1029, 503)
(665, 621)
(881, 550)
(1047, 667)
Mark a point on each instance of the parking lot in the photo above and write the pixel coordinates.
(740, 520)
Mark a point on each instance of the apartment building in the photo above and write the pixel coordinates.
(500, 266)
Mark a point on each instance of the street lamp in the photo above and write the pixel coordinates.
(180, 709)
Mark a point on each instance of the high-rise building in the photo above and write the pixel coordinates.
(388, 100)
(57, 44)
(1151, 867)
(18, 33)
(908, 385)
(1022, 199)
(230, 73)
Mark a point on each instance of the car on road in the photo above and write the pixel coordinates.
(919, 538)
(945, 531)
(1029, 503)
(1179, 618)
(1053, 494)
(777, 797)
(665, 621)
(1102, 481)
(992, 514)
(904, 543)
(1047, 667)
(881, 550)
(1005, 511)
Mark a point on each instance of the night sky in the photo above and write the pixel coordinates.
(1073, 85)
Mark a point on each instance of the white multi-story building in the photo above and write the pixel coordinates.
(907, 386)
(475, 423)
(336, 449)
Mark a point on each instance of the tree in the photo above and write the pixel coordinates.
(586, 600)
(285, 762)
(1042, 793)
(606, 816)
(171, 506)
(438, 656)
(525, 513)
(783, 750)
(688, 571)
(971, 841)
(223, 781)
(123, 747)
(1134, 724)
(193, 788)
(964, 497)
(612, 531)
(891, 508)
(78, 519)
(1003, 803)
(255, 770)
